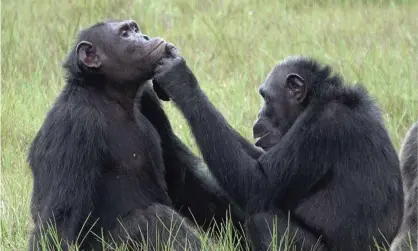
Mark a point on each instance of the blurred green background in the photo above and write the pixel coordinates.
(231, 45)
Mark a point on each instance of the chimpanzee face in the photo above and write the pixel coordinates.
(283, 93)
(120, 51)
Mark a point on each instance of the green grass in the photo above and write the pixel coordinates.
(231, 45)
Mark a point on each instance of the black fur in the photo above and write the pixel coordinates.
(98, 162)
(194, 191)
(335, 169)
(407, 237)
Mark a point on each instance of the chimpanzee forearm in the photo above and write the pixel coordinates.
(238, 173)
(246, 179)
(175, 154)
(152, 109)
(289, 170)
(190, 185)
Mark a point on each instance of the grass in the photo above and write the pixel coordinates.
(230, 44)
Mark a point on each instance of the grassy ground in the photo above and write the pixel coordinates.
(230, 44)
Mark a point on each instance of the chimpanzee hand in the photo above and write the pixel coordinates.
(173, 78)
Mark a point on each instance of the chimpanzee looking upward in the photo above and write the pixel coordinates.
(96, 157)
(407, 238)
(328, 158)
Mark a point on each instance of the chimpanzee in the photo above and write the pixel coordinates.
(407, 236)
(105, 156)
(328, 162)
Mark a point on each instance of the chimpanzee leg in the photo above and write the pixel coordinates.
(156, 228)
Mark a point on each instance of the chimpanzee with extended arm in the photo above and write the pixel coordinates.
(328, 158)
(97, 161)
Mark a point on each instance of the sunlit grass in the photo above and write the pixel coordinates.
(231, 45)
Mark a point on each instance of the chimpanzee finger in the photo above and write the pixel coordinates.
(172, 50)
(162, 64)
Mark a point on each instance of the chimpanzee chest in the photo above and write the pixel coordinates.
(137, 164)
(135, 146)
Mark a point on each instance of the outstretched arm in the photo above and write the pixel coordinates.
(254, 183)
(190, 184)
(249, 148)
(237, 171)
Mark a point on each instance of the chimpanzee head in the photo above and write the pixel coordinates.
(117, 51)
(287, 92)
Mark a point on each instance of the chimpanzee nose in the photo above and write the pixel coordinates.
(145, 37)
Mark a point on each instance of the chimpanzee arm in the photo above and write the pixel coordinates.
(176, 155)
(249, 148)
(298, 163)
(66, 159)
(244, 177)
(152, 97)
(237, 172)
(190, 184)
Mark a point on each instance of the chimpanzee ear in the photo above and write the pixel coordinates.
(87, 54)
(297, 86)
